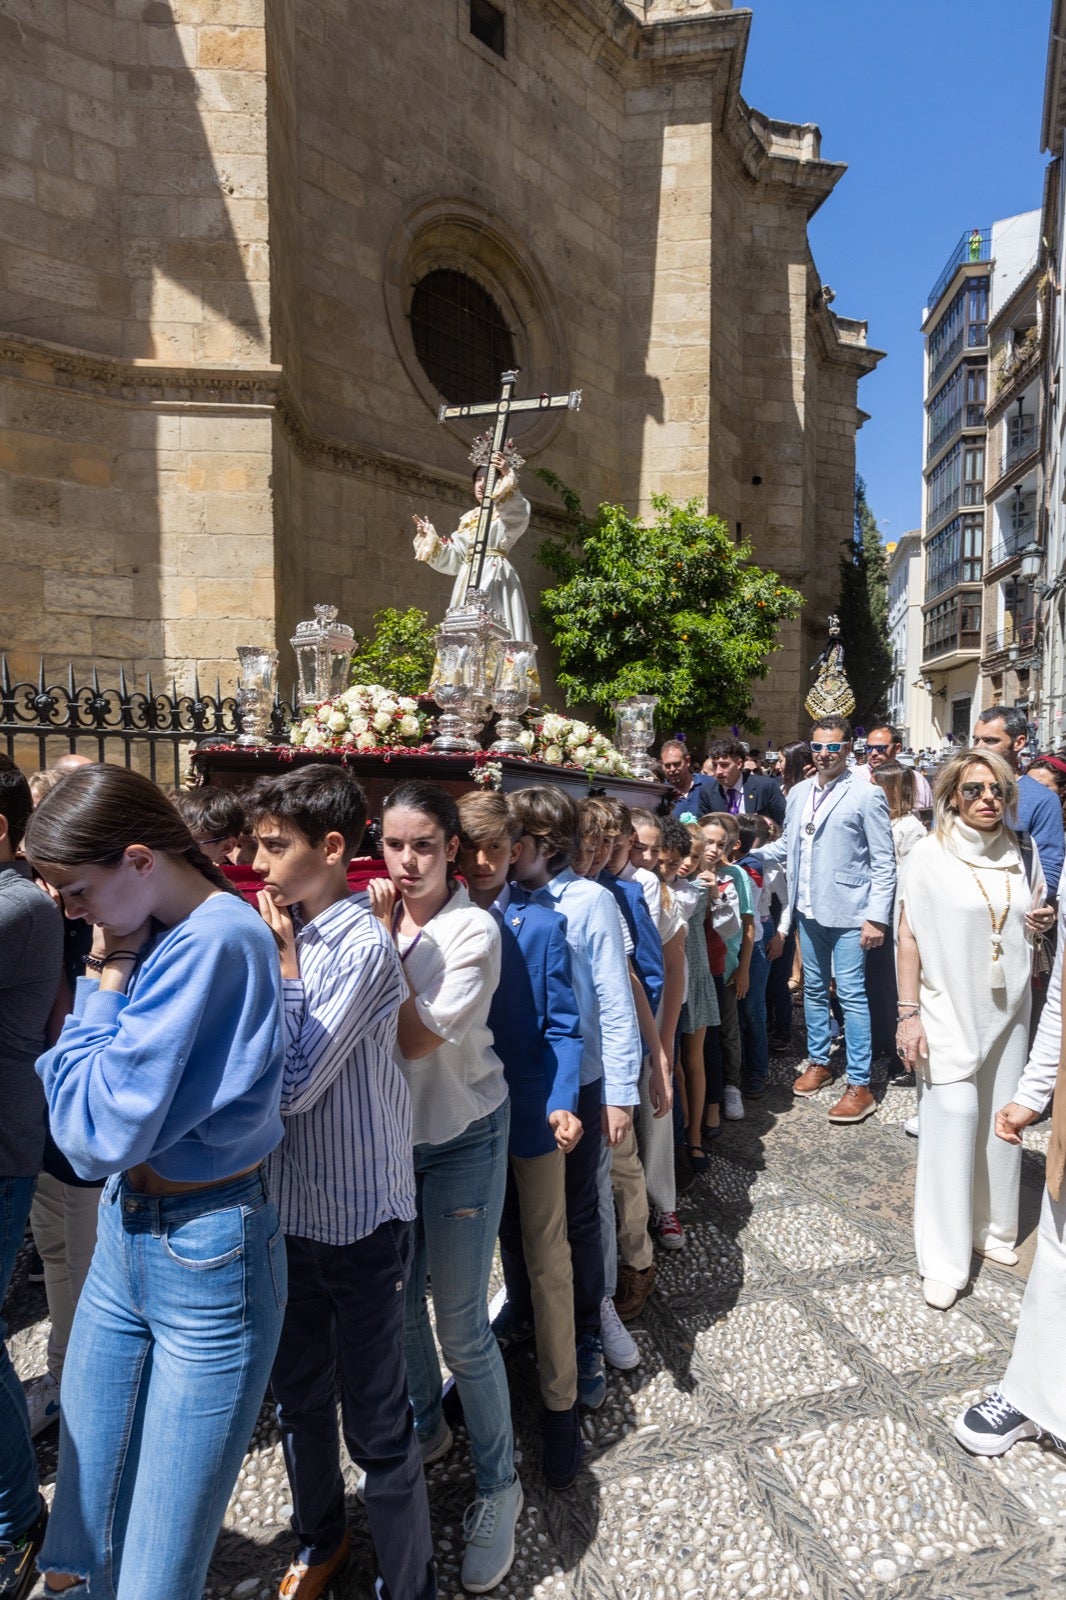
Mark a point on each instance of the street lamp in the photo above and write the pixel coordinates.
(1032, 563)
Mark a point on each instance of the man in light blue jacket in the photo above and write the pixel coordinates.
(841, 871)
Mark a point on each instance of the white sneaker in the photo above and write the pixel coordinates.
(938, 1295)
(619, 1346)
(733, 1104)
(911, 1126)
(42, 1402)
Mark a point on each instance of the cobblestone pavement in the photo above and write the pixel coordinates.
(786, 1433)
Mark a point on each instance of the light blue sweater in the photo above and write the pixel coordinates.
(185, 1071)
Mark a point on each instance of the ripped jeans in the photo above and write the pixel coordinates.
(460, 1187)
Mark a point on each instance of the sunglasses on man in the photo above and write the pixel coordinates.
(834, 749)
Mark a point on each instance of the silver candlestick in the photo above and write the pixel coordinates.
(511, 693)
(255, 696)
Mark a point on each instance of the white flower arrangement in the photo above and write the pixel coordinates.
(565, 742)
(489, 774)
(364, 717)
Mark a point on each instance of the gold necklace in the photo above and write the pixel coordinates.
(997, 927)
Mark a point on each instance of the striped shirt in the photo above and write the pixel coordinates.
(345, 1165)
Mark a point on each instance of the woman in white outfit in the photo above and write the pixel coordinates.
(966, 906)
(1031, 1399)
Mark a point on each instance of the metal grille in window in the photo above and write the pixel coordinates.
(460, 337)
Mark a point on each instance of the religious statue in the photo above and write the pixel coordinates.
(831, 693)
(500, 583)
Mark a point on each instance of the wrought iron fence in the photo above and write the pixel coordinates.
(143, 728)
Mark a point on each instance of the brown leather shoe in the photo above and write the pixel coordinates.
(634, 1288)
(303, 1582)
(854, 1105)
(816, 1077)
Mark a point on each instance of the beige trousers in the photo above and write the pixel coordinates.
(63, 1220)
(631, 1203)
(541, 1185)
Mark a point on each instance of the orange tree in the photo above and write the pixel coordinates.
(672, 607)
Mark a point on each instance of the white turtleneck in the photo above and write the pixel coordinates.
(963, 1015)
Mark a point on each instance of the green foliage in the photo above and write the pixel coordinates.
(673, 607)
(864, 615)
(399, 654)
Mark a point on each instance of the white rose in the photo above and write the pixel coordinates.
(297, 737)
(583, 754)
(551, 726)
(527, 739)
(553, 755)
(336, 722)
(409, 727)
(580, 731)
(315, 739)
(359, 725)
(365, 741)
(348, 739)
(405, 703)
(383, 721)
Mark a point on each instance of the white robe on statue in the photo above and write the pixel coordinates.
(500, 582)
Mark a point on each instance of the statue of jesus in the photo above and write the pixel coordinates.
(500, 582)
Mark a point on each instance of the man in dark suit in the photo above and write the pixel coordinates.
(695, 794)
(745, 792)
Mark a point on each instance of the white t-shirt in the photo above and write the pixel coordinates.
(454, 967)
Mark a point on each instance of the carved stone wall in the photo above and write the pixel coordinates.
(213, 215)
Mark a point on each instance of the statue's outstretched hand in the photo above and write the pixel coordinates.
(426, 540)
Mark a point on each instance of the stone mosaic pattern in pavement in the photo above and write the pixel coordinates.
(787, 1433)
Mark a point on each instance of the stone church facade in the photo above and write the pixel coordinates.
(214, 215)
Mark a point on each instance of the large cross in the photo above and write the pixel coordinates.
(502, 409)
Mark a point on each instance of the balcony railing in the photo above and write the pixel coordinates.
(973, 246)
(967, 569)
(1023, 634)
(1007, 549)
(1023, 444)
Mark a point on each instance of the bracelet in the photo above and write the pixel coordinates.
(98, 963)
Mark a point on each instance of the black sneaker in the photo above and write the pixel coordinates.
(563, 1447)
(35, 1269)
(510, 1330)
(992, 1426)
(17, 1570)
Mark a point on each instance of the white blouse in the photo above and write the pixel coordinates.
(454, 967)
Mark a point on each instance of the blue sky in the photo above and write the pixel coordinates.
(935, 105)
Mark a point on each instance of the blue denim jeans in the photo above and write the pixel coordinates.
(460, 1187)
(835, 953)
(168, 1362)
(751, 1013)
(19, 1499)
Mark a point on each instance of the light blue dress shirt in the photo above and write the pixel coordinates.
(600, 973)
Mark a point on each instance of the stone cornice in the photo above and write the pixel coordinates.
(136, 382)
(326, 453)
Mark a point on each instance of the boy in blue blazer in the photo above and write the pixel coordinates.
(537, 1034)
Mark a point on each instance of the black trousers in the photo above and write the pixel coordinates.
(881, 997)
(582, 1224)
(778, 993)
(346, 1316)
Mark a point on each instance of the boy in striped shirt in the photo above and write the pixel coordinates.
(343, 1182)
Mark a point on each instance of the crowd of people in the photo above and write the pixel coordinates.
(254, 1132)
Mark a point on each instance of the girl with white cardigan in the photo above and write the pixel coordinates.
(967, 911)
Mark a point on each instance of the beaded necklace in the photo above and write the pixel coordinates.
(998, 979)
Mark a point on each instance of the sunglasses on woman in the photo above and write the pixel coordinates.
(974, 791)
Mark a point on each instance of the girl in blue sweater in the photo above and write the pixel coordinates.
(165, 1081)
